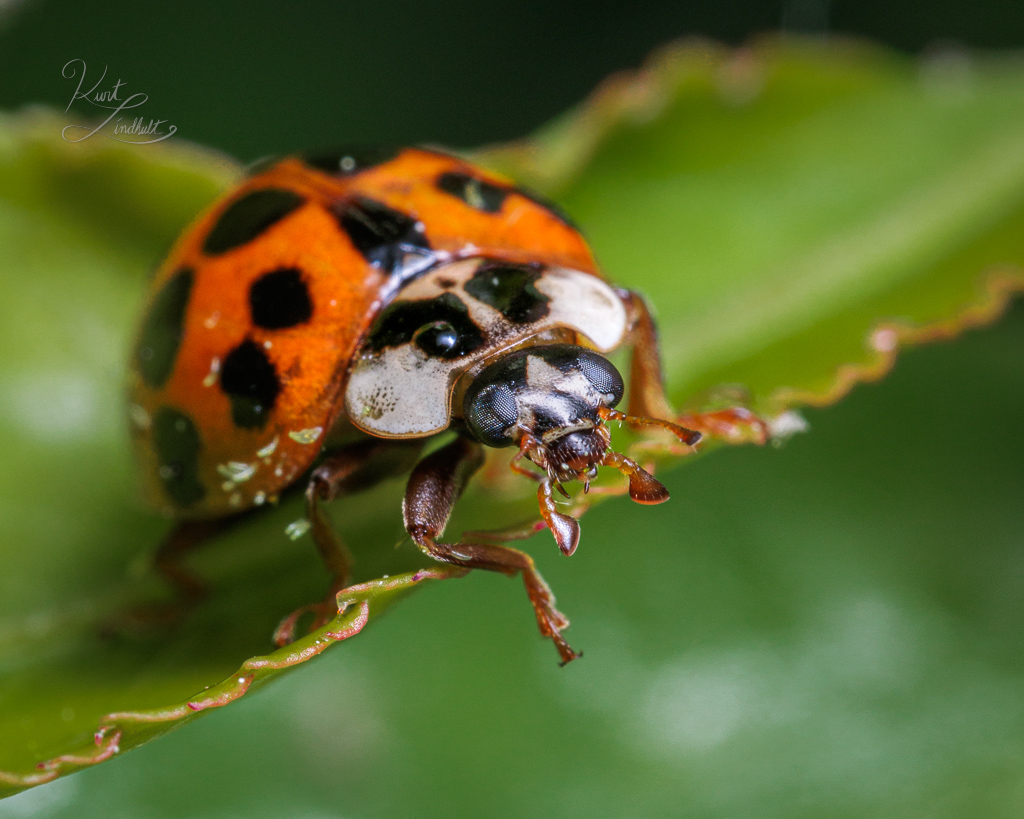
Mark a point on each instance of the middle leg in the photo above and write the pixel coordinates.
(349, 470)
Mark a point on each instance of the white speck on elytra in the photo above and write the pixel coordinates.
(139, 416)
(306, 436)
(268, 450)
(237, 471)
(211, 377)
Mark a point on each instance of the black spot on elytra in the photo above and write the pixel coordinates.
(280, 299)
(250, 381)
(381, 234)
(350, 160)
(440, 327)
(177, 444)
(246, 218)
(163, 329)
(510, 289)
(474, 192)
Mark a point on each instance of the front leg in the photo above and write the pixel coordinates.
(647, 397)
(434, 486)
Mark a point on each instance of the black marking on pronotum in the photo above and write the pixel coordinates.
(349, 160)
(474, 192)
(382, 235)
(246, 218)
(250, 381)
(511, 289)
(280, 299)
(163, 329)
(440, 327)
(177, 444)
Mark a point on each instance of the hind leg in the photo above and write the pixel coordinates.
(168, 562)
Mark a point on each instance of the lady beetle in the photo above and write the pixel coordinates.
(336, 310)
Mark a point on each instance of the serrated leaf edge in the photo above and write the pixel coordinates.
(355, 606)
(887, 338)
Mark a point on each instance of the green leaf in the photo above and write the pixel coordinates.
(794, 213)
(777, 203)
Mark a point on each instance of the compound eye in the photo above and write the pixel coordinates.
(491, 415)
(438, 338)
(600, 372)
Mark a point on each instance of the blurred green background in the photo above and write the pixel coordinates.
(846, 637)
(261, 78)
